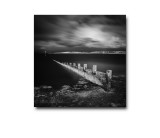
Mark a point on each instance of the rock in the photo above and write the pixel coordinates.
(36, 88)
(82, 82)
(65, 87)
(46, 87)
(113, 105)
(51, 93)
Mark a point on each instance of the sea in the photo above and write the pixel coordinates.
(47, 72)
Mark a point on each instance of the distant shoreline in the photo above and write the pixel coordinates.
(95, 52)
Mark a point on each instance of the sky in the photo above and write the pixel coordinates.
(80, 33)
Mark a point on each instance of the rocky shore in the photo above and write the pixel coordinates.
(82, 94)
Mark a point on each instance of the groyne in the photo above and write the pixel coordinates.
(94, 76)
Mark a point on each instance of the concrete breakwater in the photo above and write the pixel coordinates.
(94, 76)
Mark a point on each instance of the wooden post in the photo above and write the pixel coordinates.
(109, 78)
(70, 64)
(94, 69)
(84, 66)
(79, 66)
(74, 64)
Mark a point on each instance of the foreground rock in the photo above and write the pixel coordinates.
(82, 94)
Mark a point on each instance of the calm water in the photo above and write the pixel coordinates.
(47, 72)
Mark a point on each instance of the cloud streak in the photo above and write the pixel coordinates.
(60, 33)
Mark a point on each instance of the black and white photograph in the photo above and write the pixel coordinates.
(79, 69)
(80, 61)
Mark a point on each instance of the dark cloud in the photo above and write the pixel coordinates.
(81, 32)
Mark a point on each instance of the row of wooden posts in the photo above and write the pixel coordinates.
(94, 71)
(94, 68)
